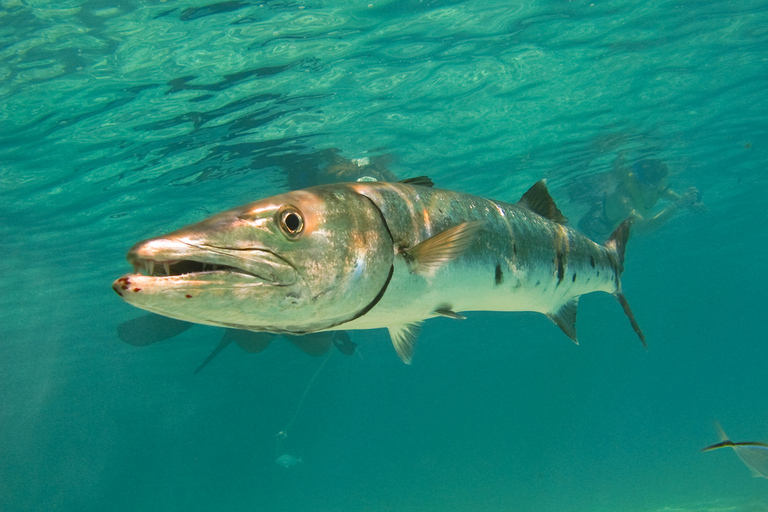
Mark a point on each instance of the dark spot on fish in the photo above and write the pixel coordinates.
(592, 261)
(560, 267)
(574, 277)
(538, 283)
(598, 273)
(188, 296)
(124, 287)
(514, 249)
(499, 275)
(137, 289)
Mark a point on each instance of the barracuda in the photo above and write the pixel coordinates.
(374, 255)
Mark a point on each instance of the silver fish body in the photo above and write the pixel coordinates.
(373, 255)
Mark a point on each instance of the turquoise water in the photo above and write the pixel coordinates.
(122, 122)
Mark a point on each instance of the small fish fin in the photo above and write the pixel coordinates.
(424, 181)
(428, 255)
(224, 343)
(618, 241)
(446, 311)
(404, 340)
(538, 200)
(565, 318)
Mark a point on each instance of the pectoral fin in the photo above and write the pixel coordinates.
(426, 257)
(565, 318)
(404, 340)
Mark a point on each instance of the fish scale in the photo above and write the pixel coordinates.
(522, 243)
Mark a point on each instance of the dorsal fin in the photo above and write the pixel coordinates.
(538, 200)
(424, 181)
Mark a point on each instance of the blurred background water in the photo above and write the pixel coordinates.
(120, 121)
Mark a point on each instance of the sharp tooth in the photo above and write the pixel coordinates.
(150, 267)
(167, 267)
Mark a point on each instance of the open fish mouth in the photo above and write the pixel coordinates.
(181, 260)
(179, 268)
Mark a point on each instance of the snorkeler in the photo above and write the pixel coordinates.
(640, 187)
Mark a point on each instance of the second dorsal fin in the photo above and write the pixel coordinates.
(538, 200)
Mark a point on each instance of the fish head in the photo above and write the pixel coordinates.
(298, 262)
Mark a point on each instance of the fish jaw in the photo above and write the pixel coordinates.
(170, 273)
(241, 268)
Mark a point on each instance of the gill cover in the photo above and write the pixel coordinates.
(341, 249)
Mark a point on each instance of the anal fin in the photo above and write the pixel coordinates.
(565, 318)
(404, 340)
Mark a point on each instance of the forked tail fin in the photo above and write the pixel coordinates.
(616, 243)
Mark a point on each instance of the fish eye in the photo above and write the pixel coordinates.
(291, 221)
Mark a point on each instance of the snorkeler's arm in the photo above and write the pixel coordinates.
(650, 224)
(691, 199)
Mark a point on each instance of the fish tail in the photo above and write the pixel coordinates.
(616, 244)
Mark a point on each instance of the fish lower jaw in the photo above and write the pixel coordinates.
(186, 285)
